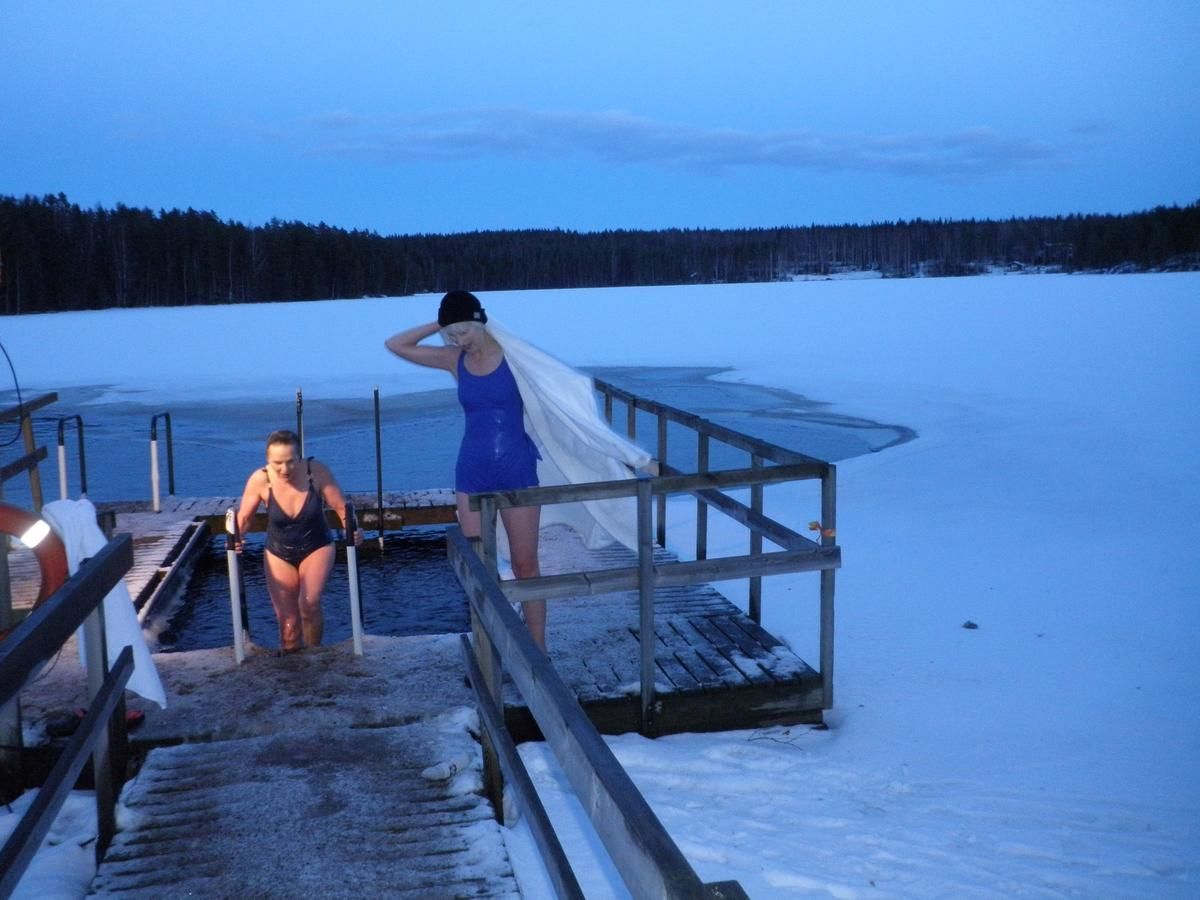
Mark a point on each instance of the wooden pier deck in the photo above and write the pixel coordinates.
(716, 669)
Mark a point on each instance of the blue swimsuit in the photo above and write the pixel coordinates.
(293, 539)
(496, 454)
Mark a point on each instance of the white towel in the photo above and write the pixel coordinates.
(75, 523)
(576, 443)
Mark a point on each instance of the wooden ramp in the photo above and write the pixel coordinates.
(302, 775)
(329, 813)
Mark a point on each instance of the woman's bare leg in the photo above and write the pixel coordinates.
(283, 586)
(522, 527)
(314, 572)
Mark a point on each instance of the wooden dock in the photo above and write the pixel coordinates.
(716, 669)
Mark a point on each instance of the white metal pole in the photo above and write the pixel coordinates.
(235, 585)
(157, 507)
(355, 603)
(356, 628)
(62, 472)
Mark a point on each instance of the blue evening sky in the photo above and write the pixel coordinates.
(422, 117)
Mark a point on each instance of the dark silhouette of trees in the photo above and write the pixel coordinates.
(56, 256)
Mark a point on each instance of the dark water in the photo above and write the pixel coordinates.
(408, 589)
(216, 445)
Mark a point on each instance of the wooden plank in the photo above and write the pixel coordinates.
(28, 407)
(703, 674)
(676, 674)
(725, 671)
(745, 644)
(747, 665)
(726, 568)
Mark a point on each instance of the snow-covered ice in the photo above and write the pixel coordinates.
(1051, 497)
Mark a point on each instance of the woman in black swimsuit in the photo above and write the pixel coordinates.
(300, 551)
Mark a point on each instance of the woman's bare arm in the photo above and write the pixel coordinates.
(407, 345)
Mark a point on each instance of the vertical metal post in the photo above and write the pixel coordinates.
(631, 419)
(300, 419)
(646, 600)
(62, 457)
(155, 489)
(662, 465)
(155, 500)
(701, 506)
(356, 628)
(236, 599)
(379, 467)
(754, 600)
(828, 539)
(608, 407)
(170, 457)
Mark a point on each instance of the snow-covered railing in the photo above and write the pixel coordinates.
(648, 860)
(101, 732)
(759, 451)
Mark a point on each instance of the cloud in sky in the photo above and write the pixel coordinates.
(622, 138)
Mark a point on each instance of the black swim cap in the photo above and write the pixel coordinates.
(460, 306)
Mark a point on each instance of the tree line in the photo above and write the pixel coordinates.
(56, 256)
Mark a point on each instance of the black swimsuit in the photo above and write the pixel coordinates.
(293, 539)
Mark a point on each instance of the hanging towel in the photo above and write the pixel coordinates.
(576, 443)
(75, 523)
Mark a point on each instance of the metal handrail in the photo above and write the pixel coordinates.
(154, 478)
(237, 588)
(62, 457)
(239, 612)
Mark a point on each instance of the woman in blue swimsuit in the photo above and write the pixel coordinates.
(300, 550)
(496, 454)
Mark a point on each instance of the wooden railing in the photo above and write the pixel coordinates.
(648, 860)
(101, 733)
(23, 414)
(759, 451)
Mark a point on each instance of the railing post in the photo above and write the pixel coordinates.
(35, 477)
(608, 407)
(300, 419)
(489, 657)
(237, 598)
(102, 754)
(662, 462)
(701, 506)
(828, 538)
(754, 593)
(631, 419)
(155, 489)
(356, 628)
(11, 741)
(378, 468)
(646, 600)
